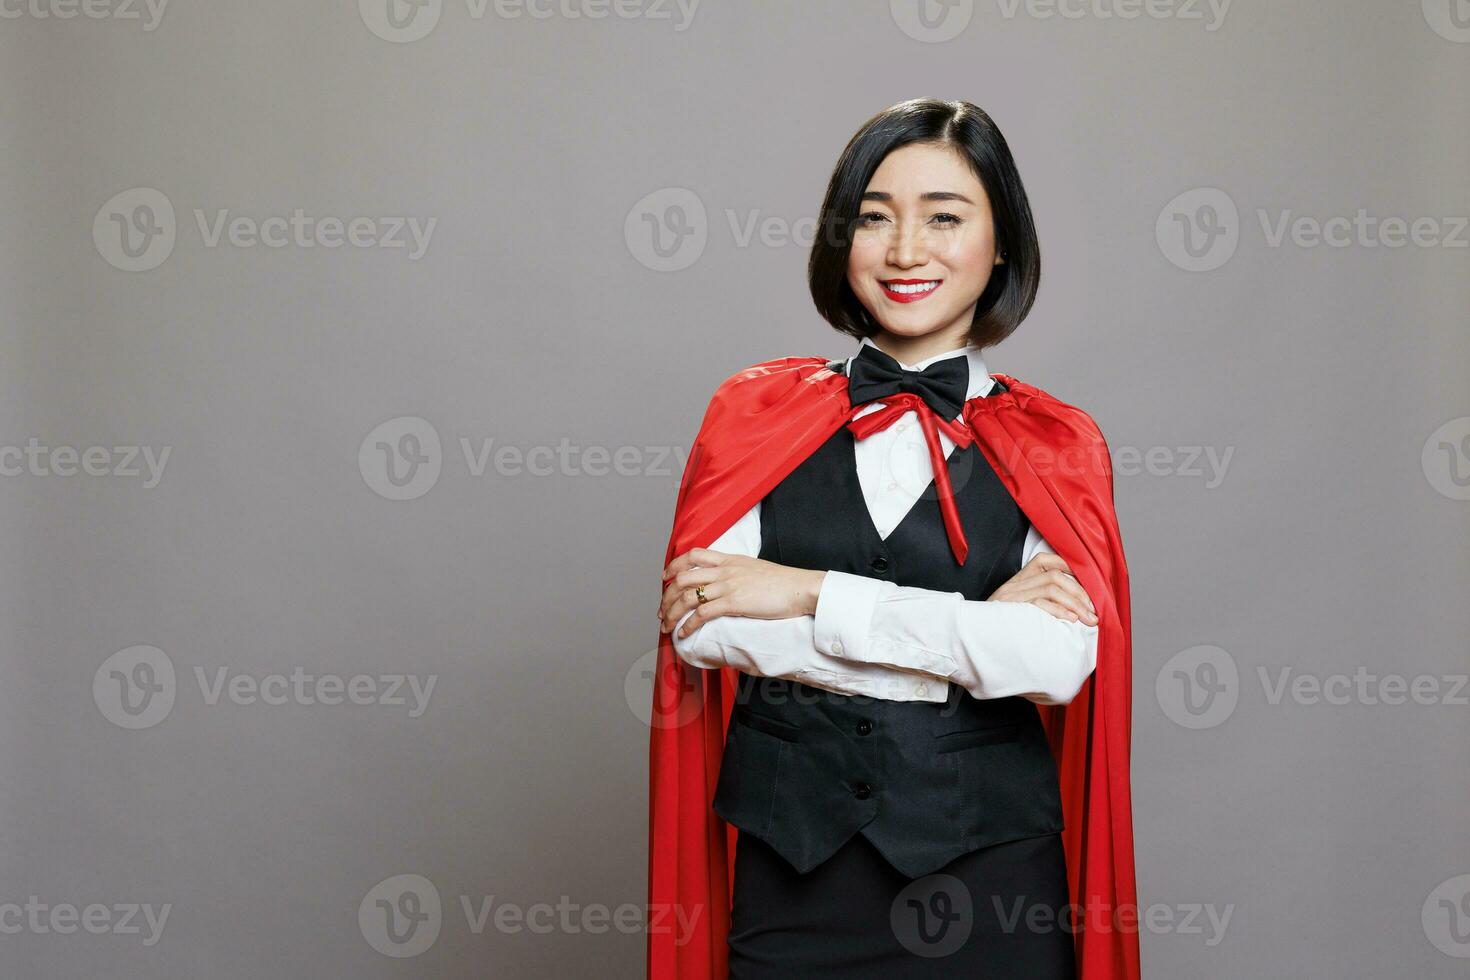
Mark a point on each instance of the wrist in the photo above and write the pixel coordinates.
(812, 589)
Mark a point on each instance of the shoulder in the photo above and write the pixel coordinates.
(776, 373)
(772, 393)
(1062, 421)
(1057, 439)
(774, 379)
(1036, 400)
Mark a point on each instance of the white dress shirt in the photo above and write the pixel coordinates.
(900, 643)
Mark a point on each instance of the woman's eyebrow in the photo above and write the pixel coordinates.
(928, 196)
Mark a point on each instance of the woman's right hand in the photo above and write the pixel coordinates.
(1048, 582)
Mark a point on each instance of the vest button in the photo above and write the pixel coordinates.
(864, 727)
(862, 791)
(879, 564)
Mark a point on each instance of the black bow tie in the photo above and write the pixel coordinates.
(942, 385)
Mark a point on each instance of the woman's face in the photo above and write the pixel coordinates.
(924, 245)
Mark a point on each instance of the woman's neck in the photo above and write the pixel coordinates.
(912, 350)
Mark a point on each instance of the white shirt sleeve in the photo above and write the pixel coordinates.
(992, 649)
(786, 648)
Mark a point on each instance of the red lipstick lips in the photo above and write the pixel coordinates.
(909, 295)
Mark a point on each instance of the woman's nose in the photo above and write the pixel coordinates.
(908, 248)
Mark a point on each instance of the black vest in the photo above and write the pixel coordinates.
(804, 769)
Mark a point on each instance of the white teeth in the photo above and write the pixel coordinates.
(922, 287)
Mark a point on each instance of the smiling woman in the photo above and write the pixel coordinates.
(897, 604)
(943, 217)
(946, 233)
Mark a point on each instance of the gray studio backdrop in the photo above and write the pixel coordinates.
(351, 351)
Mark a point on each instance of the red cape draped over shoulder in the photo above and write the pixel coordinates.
(760, 425)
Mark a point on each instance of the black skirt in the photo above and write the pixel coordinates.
(999, 911)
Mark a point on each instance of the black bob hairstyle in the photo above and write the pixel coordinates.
(966, 127)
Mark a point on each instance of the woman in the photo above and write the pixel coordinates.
(885, 615)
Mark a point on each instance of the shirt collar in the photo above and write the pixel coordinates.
(980, 380)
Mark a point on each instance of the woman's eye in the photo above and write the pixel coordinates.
(872, 218)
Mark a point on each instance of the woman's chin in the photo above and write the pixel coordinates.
(901, 326)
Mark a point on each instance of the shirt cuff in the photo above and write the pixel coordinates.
(691, 650)
(844, 615)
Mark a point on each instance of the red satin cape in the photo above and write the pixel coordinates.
(760, 424)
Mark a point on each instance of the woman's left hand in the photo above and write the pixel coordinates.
(734, 585)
